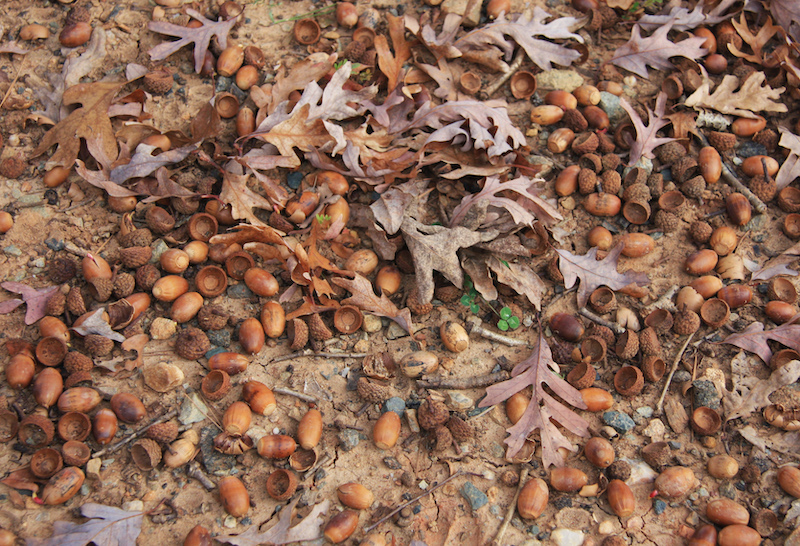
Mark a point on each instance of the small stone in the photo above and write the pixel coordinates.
(133, 506)
(361, 346)
(239, 291)
(459, 7)
(219, 338)
(609, 103)
(159, 248)
(681, 376)
(163, 328)
(93, 468)
(568, 80)
(457, 401)
(349, 439)
(567, 537)
(215, 462)
(659, 506)
(727, 489)
(705, 394)
(655, 430)
(606, 527)
(608, 432)
(392, 463)
(395, 331)
(193, 410)
(395, 404)
(474, 496)
(12, 250)
(497, 450)
(229, 522)
(371, 323)
(645, 411)
(621, 422)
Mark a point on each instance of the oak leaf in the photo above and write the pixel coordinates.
(655, 51)
(365, 299)
(790, 170)
(107, 525)
(787, 14)
(779, 265)
(200, 37)
(96, 324)
(524, 210)
(647, 139)
(242, 199)
(753, 339)
(593, 273)
(436, 248)
(751, 97)
(539, 370)
(756, 42)
(766, 440)
(89, 122)
(297, 79)
(392, 64)
(36, 300)
(309, 528)
(445, 76)
(683, 19)
(520, 277)
(144, 163)
(299, 131)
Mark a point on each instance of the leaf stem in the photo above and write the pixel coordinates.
(660, 405)
(498, 539)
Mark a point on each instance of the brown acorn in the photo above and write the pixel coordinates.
(533, 499)
(341, 526)
(386, 431)
(234, 496)
(568, 479)
(231, 363)
(599, 452)
(104, 426)
(259, 397)
(63, 486)
(128, 407)
(675, 481)
(47, 387)
(309, 430)
(621, 498)
(276, 446)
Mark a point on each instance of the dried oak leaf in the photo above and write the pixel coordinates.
(107, 525)
(787, 14)
(144, 163)
(365, 299)
(96, 324)
(756, 42)
(520, 277)
(790, 170)
(779, 265)
(683, 124)
(200, 37)
(36, 300)
(753, 339)
(544, 411)
(784, 442)
(298, 131)
(391, 65)
(594, 274)
(655, 51)
(89, 122)
(100, 179)
(646, 135)
(436, 248)
(523, 31)
(683, 19)
(309, 528)
(445, 76)
(242, 199)
(751, 97)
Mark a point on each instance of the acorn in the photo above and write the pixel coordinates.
(309, 430)
(354, 495)
(706, 535)
(341, 526)
(599, 452)
(237, 418)
(675, 481)
(739, 209)
(454, 336)
(568, 479)
(789, 480)
(621, 498)
(234, 496)
(276, 446)
(533, 498)
(259, 397)
(597, 399)
(231, 363)
(362, 261)
(738, 535)
(419, 363)
(186, 307)
(159, 220)
(273, 319)
(63, 486)
(386, 431)
(724, 512)
(251, 335)
(566, 326)
(47, 387)
(181, 451)
(261, 282)
(104, 426)
(170, 287)
(198, 536)
(346, 14)
(79, 399)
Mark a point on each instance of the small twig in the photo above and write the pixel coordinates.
(194, 471)
(412, 501)
(311, 354)
(73, 249)
(665, 301)
(464, 382)
(498, 539)
(474, 325)
(13, 82)
(616, 328)
(660, 405)
(321, 461)
(730, 178)
(301, 396)
(135, 434)
(504, 78)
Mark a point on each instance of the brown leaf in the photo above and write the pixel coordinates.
(445, 76)
(298, 132)
(241, 198)
(36, 300)
(753, 339)
(520, 277)
(655, 51)
(100, 179)
(301, 74)
(784, 442)
(683, 124)
(392, 64)
(481, 277)
(22, 479)
(161, 186)
(135, 343)
(365, 299)
(646, 135)
(436, 248)
(790, 170)
(200, 37)
(309, 528)
(544, 411)
(89, 122)
(683, 19)
(750, 394)
(787, 14)
(107, 525)
(766, 31)
(594, 274)
(751, 97)
(779, 265)
(96, 324)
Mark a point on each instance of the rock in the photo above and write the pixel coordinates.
(219, 338)
(457, 401)
(621, 422)
(93, 469)
(193, 410)
(216, 463)
(239, 291)
(458, 7)
(573, 518)
(750, 148)
(395, 331)
(133, 506)
(474, 496)
(655, 430)
(681, 376)
(371, 323)
(568, 80)
(348, 439)
(361, 346)
(159, 248)
(705, 394)
(392, 463)
(566, 537)
(659, 506)
(609, 103)
(395, 404)
(12, 250)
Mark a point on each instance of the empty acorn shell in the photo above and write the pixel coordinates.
(146, 454)
(75, 453)
(303, 459)
(215, 385)
(348, 319)
(9, 425)
(36, 431)
(46, 462)
(629, 381)
(74, 426)
(51, 350)
(523, 84)
(281, 484)
(705, 421)
(211, 281)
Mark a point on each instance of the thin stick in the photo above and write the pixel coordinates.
(504, 78)
(135, 434)
(660, 405)
(194, 471)
(730, 178)
(474, 325)
(464, 382)
(311, 354)
(13, 82)
(287, 392)
(510, 512)
(412, 501)
(616, 328)
(664, 302)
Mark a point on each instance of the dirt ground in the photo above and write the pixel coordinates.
(78, 214)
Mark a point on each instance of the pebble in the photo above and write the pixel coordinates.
(371, 323)
(727, 489)
(239, 291)
(38, 262)
(609, 103)
(473, 495)
(392, 463)
(395, 331)
(659, 506)
(621, 422)
(294, 179)
(705, 394)
(459, 7)
(193, 410)
(458, 401)
(12, 250)
(216, 463)
(54, 244)
(223, 83)
(750, 148)
(568, 203)
(361, 346)
(85, 489)
(349, 439)
(395, 404)
(655, 430)
(497, 450)
(568, 80)
(229, 523)
(681, 376)
(606, 527)
(674, 445)
(158, 249)
(220, 338)
(93, 469)
(163, 328)
(757, 223)
(567, 537)
(133, 506)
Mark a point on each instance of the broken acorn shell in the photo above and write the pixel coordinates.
(162, 376)
(303, 459)
(582, 376)
(653, 368)
(234, 496)
(533, 499)
(63, 486)
(281, 484)
(180, 452)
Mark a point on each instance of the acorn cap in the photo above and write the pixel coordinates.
(158, 82)
(629, 381)
(591, 161)
(135, 256)
(611, 182)
(764, 188)
(164, 433)
(137, 237)
(212, 317)
(146, 276)
(415, 305)
(124, 283)
(317, 328)
(637, 192)
(666, 221)
(671, 152)
(648, 342)
(610, 161)
(700, 232)
(447, 294)
(684, 168)
(75, 453)
(36, 431)
(653, 368)
(443, 438)
(215, 385)
(192, 343)
(606, 144)
(461, 430)
(694, 187)
(657, 454)
(100, 289)
(723, 142)
(432, 413)
(75, 303)
(77, 14)
(582, 376)
(585, 143)
(372, 391)
(56, 304)
(574, 120)
(587, 181)
(297, 331)
(97, 345)
(146, 453)
(78, 379)
(686, 322)
(627, 345)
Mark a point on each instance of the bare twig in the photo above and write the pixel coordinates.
(616, 328)
(464, 382)
(664, 302)
(730, 178)
(412, 501)
(13, 82)
(301, 396)
(492, 89)
(660, 405)
(194, 471)
(474, 325)
(135, 434)
(498, 539)
(311, 354)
